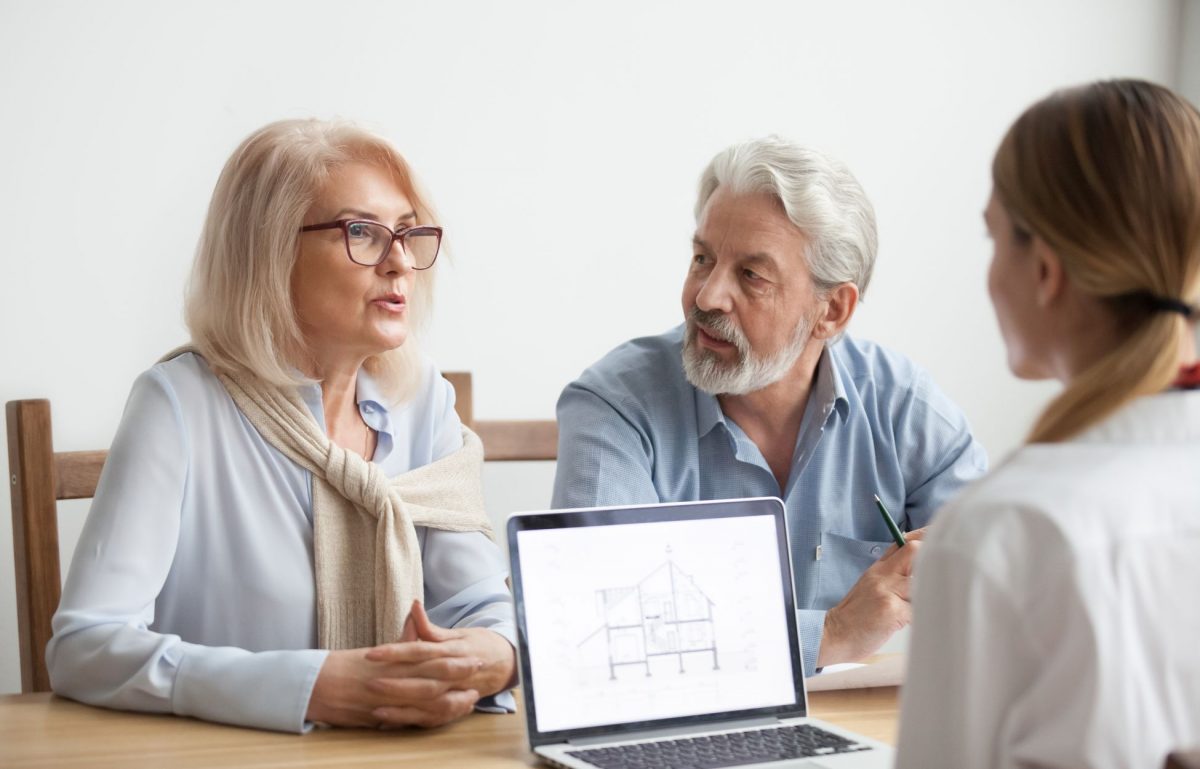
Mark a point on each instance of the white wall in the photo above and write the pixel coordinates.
(562, 142)
(1189, 50)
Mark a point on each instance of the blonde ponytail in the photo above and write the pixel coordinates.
(1145, 362)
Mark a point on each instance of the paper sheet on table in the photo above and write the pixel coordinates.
(880, 670)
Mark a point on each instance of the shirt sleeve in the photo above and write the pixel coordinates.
(465, 586)
(103, 651)
(465, 572)
(939, 455)
(811, 624)
(603, 458)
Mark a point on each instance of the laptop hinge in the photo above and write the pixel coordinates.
(674, 731)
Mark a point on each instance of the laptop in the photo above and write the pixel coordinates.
(665, 636)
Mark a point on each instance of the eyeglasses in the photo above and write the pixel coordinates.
(368, 242)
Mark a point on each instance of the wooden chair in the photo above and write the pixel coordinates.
(1184, 759)
(504, 441)
(40, 477)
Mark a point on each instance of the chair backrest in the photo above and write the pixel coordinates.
(504, 440)
(1184, 759)
(40, 477)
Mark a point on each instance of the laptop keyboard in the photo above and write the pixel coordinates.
(730, 749)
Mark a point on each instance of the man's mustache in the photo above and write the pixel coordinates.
(717, 324)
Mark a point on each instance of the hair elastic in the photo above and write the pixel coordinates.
(1166, 304)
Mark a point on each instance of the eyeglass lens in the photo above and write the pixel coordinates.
(369, 244)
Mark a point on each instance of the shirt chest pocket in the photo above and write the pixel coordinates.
(843, 560)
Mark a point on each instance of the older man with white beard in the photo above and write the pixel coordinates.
(760, 393)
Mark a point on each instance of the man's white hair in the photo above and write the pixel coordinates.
(819, 195)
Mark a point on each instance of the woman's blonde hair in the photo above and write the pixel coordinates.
(1108, 175)
(239, 301)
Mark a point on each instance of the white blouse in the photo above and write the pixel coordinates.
(191, 590)
(1057, 604)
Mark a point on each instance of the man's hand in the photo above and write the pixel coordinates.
(874, 609)
(431, 676)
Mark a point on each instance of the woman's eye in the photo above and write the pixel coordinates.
(358, 230)
(699, 259)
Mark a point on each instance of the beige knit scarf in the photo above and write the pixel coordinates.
(365, 548)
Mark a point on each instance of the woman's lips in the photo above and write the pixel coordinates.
(394, 303)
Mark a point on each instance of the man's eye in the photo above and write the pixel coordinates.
(699, 259)
(751, 275)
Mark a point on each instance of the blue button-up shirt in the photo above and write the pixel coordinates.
(633, 430)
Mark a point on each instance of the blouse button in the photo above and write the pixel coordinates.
(876, 550)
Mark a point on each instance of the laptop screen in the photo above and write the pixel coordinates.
(662, 613)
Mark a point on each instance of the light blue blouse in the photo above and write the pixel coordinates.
(191, 590)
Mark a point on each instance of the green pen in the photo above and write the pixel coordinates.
(891, 524)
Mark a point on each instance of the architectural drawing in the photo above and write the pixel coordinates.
(665, 614)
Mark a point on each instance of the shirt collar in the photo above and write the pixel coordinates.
(1168, 417)
(368, 394)
(310, 393)
(828, 393)
(830, 387)
(708, 412)
(372, 403)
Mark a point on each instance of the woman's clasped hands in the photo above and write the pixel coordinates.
(432, 675)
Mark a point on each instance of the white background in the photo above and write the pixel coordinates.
(561, 141)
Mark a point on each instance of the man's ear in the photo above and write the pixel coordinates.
(1050, 278)
(839, 304)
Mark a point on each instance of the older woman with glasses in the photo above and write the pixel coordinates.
(289, 528)
(1056, 616)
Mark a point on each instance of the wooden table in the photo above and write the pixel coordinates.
(40, 730)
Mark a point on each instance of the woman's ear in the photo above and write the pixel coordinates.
(1050, 278)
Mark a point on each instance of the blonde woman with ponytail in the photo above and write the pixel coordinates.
(1057, 607)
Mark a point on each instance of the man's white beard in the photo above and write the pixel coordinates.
(750, 371)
